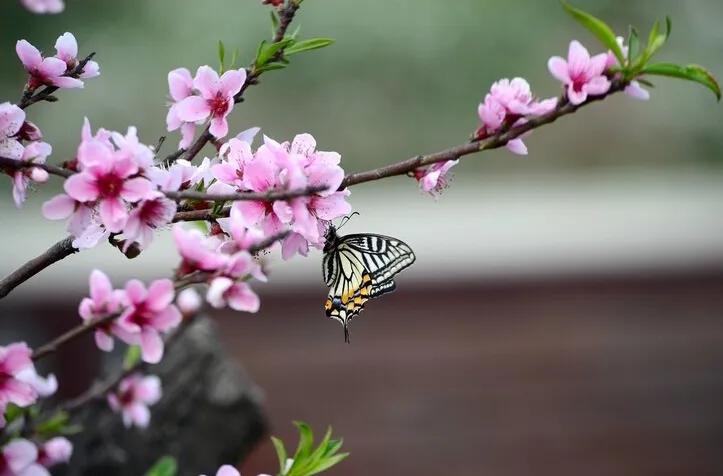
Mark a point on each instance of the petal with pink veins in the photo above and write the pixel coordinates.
(193, 109)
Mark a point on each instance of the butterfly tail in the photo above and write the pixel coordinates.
(346, 333)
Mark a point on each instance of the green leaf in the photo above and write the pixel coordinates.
(655, 41)
(54, 425)
(668, 27)
(633, 45)
(328, 463)
(597, 27)
(221, 55)
(267, 51)
(166, 466)
(306, 45)
(271, 67)
(13, 412)
(132, 357)
(234, 57)
(280, 453)
(306, 440)
(691, 72)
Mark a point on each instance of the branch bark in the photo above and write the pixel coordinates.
(55, 253)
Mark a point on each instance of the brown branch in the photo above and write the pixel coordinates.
(269, 196)
(55, 253)
(11, 165)
(78, 331)
(45, 94)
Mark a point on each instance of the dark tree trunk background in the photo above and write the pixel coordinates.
(209, 415)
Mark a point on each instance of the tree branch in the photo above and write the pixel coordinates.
(11, 165)
(269, 196)
(55, 253)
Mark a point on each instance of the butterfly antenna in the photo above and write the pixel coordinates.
(346, 333)
(346, 219)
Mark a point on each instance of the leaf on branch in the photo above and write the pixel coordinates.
(307, 45)
(597, 27)
(633, 45)
(53, 426)
(267, 50)
(274, 23)
(656, 40)
(132, 357)
(308, 460)
(691, 72)
(166, 466)
(221, 56)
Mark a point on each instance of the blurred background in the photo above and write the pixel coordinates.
(565, 314)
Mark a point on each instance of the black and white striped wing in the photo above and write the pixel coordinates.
(382, 256)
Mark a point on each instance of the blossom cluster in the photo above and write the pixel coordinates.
(20, 384)
(203, 97)
(132, 398)
(115, 189)
(57, 70)
(143, 314)
(275, 166)
(22, 457)
(510, 102)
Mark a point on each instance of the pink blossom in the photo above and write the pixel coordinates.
(108, 181)
(55, 451)
(84, 224)
(216, 98)
(147, 216)
(149, 313)
(237, 295)
(66, 48)
(434, 179)
(180, 85)
(11, 121)
(507, 104)
(235, 155)
(103, 302)
(44, 6)
(14, 359)
(198, 252)
(581, 74)
(44, 71)
(20, 458)
(133, 397)
(35, 152)
(188, 302)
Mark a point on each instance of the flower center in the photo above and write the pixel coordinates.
(150, 213)
(126, 398)
(219, 105)
(109, 185)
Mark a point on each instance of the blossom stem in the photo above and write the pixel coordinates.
(28, 98)
(269, 196)
(55, 253)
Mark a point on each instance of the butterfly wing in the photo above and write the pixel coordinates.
(361, 267)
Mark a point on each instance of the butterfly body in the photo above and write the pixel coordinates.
(357, 268)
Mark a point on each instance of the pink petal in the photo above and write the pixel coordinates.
(261, 174)
(332, 206)
(193, 109)
(52, 67)
(151, 346)
(225, 172)
(283, 211)
(292, 244)
(19, 393)
(135, 291)
(242, 298)
(113, 214)
(219, 127)
(15, 358)
(576, 97)
(11, 119)
(597, 64)
(136, 189)
(634, 90)
(180, 84)
(231, 82)
(227, 470)
(148, 390)
(28, 54)
(558, 68)
(18, 454)
(207, 82)
(101, 288)
(597, 86)
(91, 70)
(577, 58)
(248, 135)
(59, 207)
(104, 341)
(217, 289)
(81, 187)
(66, 47)
(160, 294)
(516, 146)
(167, 319)
(188, 130)
(140, 415)
(11, 149)
(252, 212)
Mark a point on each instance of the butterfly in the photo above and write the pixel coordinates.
(357, 268)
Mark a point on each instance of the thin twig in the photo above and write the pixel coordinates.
(269, 196)
(78, 331)
(55, 253)
(11, 165)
